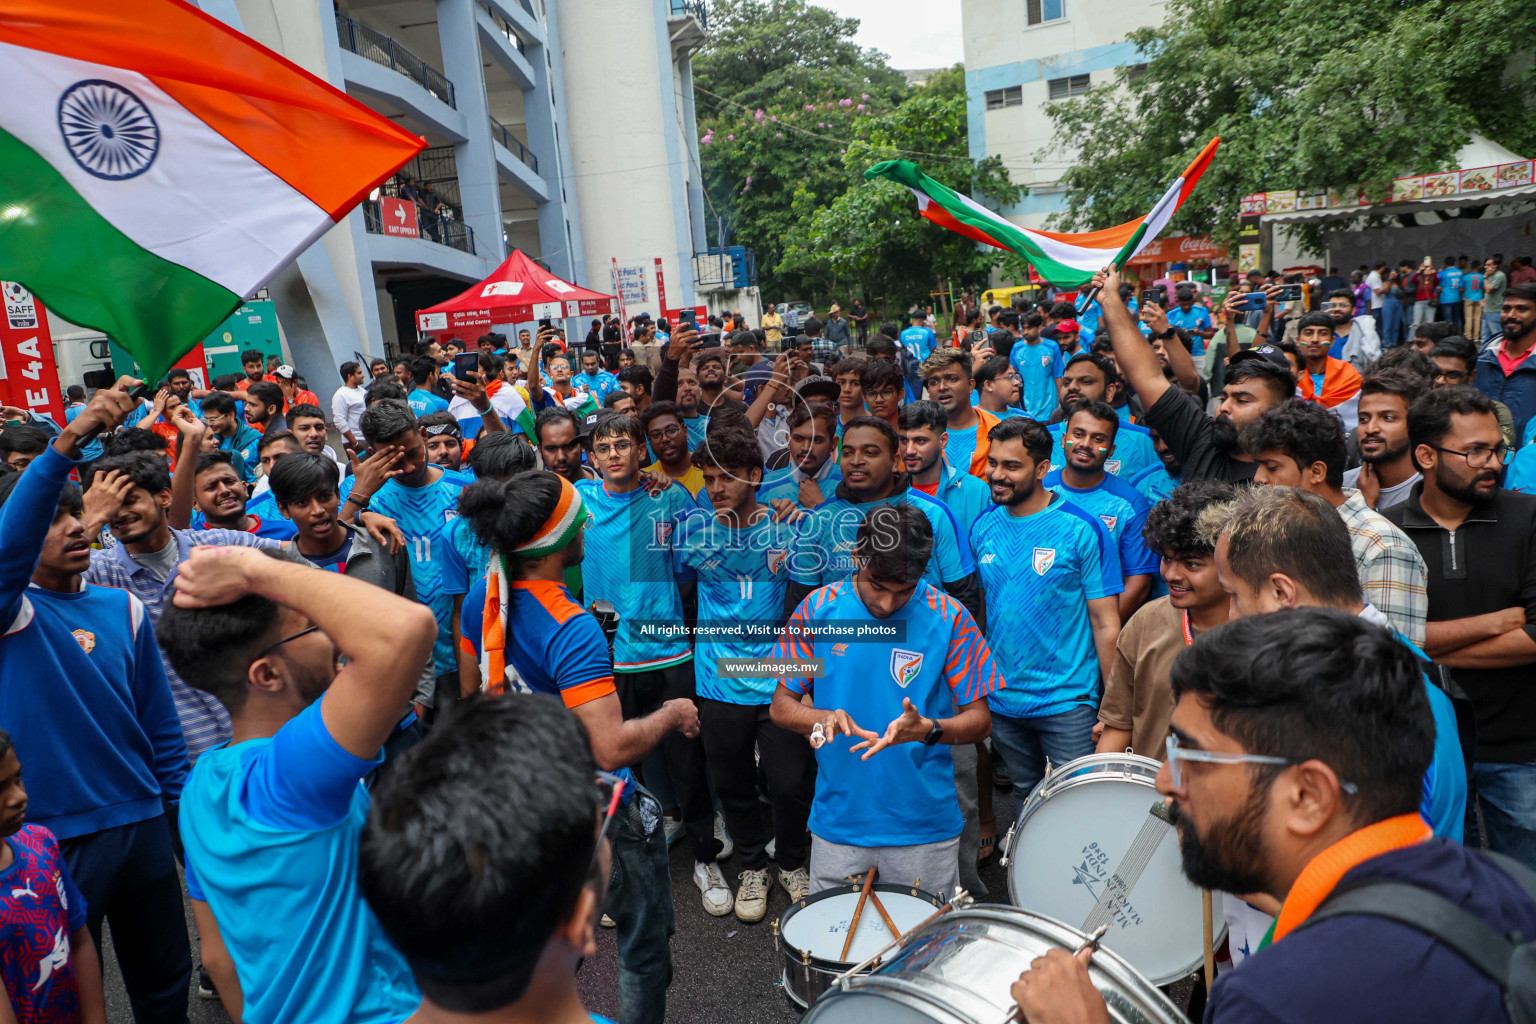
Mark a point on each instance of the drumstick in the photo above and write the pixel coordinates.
(1210, 938)
(875, 898)
(961, 898)
(858, 912)
(1091, 942)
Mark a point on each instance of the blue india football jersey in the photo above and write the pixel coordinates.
(697, 428)
(742, 575)
(463, 555)
(628, 561)
(917, 340)
(421, 512)
(1043, 569)
(904, 795)
(824, 548)
(1122, 510)
(1038, 366)
(1154, 483)
(1133, 450)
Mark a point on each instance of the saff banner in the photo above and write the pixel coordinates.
(1065, 260)
(157, 167)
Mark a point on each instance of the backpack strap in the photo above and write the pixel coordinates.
(1427, 912)
(1523, 876)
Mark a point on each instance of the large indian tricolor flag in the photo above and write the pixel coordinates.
(1065, 260)
(158, 167)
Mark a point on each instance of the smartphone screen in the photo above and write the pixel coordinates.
(466, 365)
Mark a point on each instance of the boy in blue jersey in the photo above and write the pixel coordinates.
(1282, 547)
(739, 559)
(1089, 437)
(628, 562)
(270, 822)
(917, 339)
(871, 478)
(500, 937)
(1192, 317)
(810, 474)
(219, 496)
(1039, 364)
(925, 455)
(235, 435)
(424, 397)
(999, 388)
(593, 379)
(947, 376)
(420, 498)
(83, 695)
(1449, 294)
(1052, 565)
(884, 388)
(894, 811)
(530, 636)
(1090, 375)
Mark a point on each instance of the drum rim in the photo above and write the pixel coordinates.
(799, 957)
(1058, 782)
(1109, 962)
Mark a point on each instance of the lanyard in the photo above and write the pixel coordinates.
(1189, 636)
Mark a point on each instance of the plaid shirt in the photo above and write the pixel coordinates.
(824, 351)
(1392, 572)
(204, 720)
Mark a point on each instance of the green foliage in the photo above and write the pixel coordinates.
(1303, 95)
(791, 111)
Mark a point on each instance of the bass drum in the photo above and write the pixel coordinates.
(1093, 845)
(959, 969)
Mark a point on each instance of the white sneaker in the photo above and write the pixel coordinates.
(752, 895)
(673, 830)
(607, 922)
(717, 894)
(727, 847)
(772, 848)
(797, 883)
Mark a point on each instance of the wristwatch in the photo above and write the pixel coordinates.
(933, 734)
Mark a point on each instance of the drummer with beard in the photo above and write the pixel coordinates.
(1297, 748)
(886, 799)
(1203, 446)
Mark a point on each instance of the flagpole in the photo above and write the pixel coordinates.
(1119, 261)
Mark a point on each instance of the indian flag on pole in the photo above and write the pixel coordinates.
(157, 167)
(1065, 260)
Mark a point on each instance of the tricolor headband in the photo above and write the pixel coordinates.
(562, 526)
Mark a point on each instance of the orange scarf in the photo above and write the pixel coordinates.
(988, 420)
(1323, 872)
(1341, 382)
(493, 636)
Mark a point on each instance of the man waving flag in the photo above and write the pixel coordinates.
(158, 167)
(1065, 260)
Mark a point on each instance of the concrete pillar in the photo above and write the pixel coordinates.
(460, 42)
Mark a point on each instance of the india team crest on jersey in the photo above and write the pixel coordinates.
(1045, 362)
(86, 639)
(905, 666)
(1109, 521)
(776, 557)
(1043, 560)
(1112, 466)
(661, 532)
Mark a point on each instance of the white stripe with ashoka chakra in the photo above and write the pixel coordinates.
(203, 203)
(544, 537)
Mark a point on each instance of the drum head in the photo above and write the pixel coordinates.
(821, 926)
(1070, 846)
(864, 1008)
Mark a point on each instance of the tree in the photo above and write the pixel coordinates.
(780, 86)
(871, 239)
(1303, 95)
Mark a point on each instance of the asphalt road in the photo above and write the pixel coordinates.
(724, 972)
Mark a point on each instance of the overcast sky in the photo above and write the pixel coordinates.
(915, 33)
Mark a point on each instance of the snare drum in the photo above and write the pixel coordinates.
(958, 970)
(812, 932)
(1090, 848)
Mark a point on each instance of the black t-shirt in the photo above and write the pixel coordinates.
(1491, 565)
(1191, 435)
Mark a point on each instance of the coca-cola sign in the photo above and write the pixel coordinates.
(1180, 247)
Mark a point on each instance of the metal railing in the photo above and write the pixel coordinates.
(505, 27)
(371, 44)
(453, 233)
(697, 8)
(502, 134)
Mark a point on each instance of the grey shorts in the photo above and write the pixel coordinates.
(931, 867)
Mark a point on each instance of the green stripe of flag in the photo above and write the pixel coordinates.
(70, 257)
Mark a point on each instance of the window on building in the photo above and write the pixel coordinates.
(1041, 11)
(1066, 88)
(1013, 96)
(1138, 71)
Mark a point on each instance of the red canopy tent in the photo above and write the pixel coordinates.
(516, 292)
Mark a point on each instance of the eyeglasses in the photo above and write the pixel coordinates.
(1177, 755)
(272, 647)
(616, 448)
(662, 433)
(1451, 376)
(881, 395)
(1477, 458)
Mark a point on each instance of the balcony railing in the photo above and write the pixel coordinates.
(683, 8)
(374, 45)
(453, 233)
(505, 27)
(502, 134)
